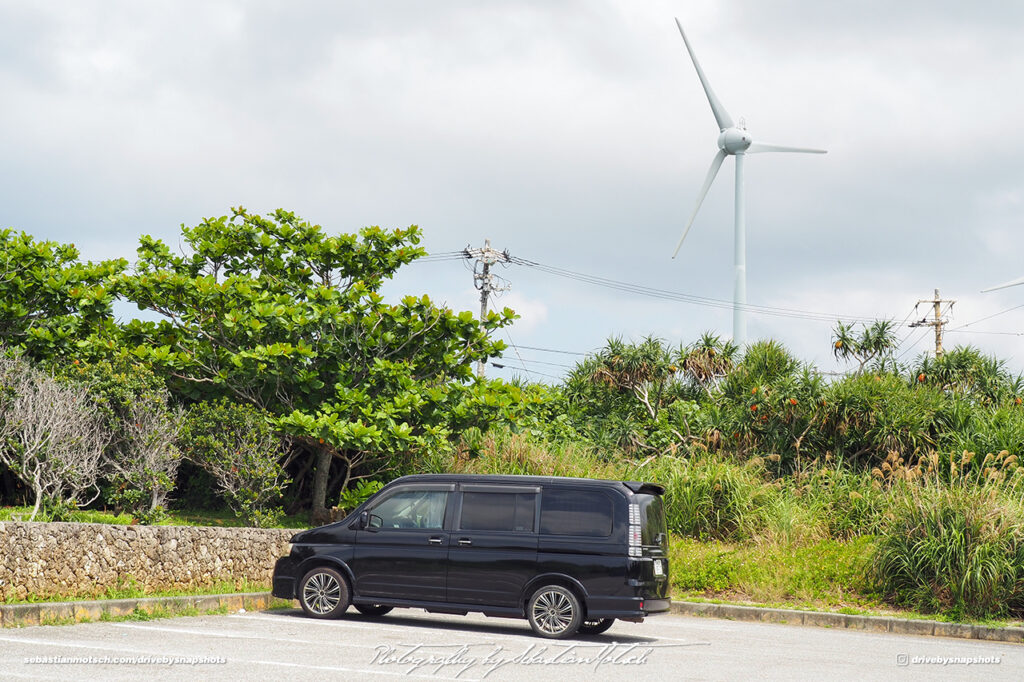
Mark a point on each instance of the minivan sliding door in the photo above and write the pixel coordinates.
(493, 549)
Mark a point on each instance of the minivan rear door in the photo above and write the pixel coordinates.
(493, 550)
(650, 513)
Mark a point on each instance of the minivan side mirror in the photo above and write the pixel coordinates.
(364, 520)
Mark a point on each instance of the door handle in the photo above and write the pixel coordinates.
(465, 541)
(434, 541)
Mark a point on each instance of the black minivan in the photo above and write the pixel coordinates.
(568, 554)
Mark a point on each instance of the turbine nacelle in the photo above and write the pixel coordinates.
(734, 140)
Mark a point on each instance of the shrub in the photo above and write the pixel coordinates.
(235, 444)
(767, 403)
(51, 435)
(991, 429)
(953, 548)
(967, 372)
(867, 416)
(141, 460)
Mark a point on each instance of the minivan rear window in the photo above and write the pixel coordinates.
(652, 520)
(575, 512)
(498, 511)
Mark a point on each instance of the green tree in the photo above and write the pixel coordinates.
(50, 302)
(871, 347)
(274, 312)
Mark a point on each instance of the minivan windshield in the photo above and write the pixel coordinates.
(653, 530)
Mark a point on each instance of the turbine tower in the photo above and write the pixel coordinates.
(733, 140)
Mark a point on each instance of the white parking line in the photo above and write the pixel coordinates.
(364, 671)
(214, 633)
(338, 623)
(19, 676)
(235, 657)
(470, 636)
(78, 645)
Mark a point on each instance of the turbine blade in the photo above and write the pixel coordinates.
(721, 115)
(716, 163)
(760, 147)
(1004, 285)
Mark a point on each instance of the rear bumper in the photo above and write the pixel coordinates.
(625, 607)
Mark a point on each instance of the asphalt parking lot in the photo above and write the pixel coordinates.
(283, 644)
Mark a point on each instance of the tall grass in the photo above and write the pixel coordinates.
(953, 548)
(504, 452)
(708, 497)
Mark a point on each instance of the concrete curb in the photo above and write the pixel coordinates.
(902, 626)
(56, 613)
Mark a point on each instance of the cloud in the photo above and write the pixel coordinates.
(575, 134)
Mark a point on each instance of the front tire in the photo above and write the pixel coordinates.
(554, 612)
(373, 609)
(324, 593)
(596, 627)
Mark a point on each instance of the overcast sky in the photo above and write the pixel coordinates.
(573, 134)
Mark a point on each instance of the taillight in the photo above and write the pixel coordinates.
(634, 530)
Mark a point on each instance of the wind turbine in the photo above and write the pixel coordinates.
(733, 140)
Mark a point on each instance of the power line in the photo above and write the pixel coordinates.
(911, 331)
(913, 345)
(960, 330)
(989, 317)
(501, 365)
(544, 362)
(441, 256)
(552, 350)
(665, 294)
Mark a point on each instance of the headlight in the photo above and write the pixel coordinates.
(288, 548)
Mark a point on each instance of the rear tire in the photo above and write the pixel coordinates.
(373, 609)
(554, 612)
(324, 593)
(596, 627)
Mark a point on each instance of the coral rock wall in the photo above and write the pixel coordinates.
(81, 559)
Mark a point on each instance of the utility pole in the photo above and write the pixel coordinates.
(938, 321)
(483, 280)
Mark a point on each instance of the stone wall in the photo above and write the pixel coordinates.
(82, 559)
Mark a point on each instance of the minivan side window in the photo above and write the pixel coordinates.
(575, 512)
(411, 509)
(498, 511)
